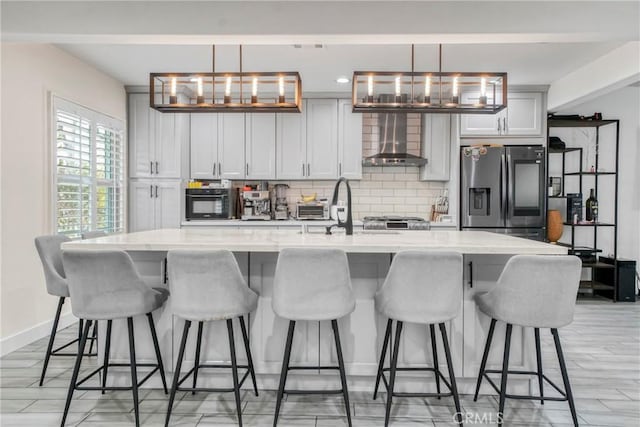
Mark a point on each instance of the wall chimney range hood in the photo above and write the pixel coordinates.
(392, 148)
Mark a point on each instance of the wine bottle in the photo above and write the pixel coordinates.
(592, 207)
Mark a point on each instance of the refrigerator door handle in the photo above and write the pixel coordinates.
(503, 187)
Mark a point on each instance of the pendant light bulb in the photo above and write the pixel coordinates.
(254, 87)
(173, 86)
(199, 86)
(398, 92)
(427, 86)
(227, 89)
(370, 86)
(483, 87)
(455, 87)
(281, 86)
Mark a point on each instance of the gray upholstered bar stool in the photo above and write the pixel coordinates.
(207, 286)
(312, 284)
(533, 291)
(105, 285)
(51, 256)
(421, 287)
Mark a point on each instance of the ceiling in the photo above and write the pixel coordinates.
(536, 42)
(527, 64)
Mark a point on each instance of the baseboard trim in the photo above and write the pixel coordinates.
(26, 337)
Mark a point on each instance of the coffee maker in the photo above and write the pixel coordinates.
(281, 211)
(257, 205)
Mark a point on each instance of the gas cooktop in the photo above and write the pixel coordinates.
(395, 223)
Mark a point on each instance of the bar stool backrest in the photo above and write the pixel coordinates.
(207, 285)
(51, 256)
(312, 284)
(425, 286)
(104, 284)
(537, 290)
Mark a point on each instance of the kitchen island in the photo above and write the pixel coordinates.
(370, 254)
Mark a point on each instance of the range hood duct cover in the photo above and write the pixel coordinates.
(392, 132)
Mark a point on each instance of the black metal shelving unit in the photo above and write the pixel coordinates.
(580, 174)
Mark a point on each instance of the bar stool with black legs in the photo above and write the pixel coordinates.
(207, 286)
(425, 288)
(534, 292)
(312, 285)
(51, 256)
(105, 285)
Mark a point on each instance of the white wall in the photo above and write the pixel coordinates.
(622, 104)
(30, 73)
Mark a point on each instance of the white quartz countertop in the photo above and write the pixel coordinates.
(273, 240)
(281, 223)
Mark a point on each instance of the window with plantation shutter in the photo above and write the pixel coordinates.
(89, 166)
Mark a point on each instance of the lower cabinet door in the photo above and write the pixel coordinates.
(168, 202)
(141, 205)
(486, 270)
(361, 332)
(269, 332)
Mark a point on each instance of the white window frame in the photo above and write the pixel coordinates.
(96, 118)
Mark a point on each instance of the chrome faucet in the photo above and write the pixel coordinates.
(348, 224)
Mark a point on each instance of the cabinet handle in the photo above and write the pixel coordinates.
(157, 169)
(150, 191)
(214, 169)
(504, 124)
(471, 274)
(308, 169)
(247, 173)
(156, 191)
(303, 170)
(219, 169)
(499, 127)
(151, 168)
(339, 169)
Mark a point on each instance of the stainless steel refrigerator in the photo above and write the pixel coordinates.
(503, 190)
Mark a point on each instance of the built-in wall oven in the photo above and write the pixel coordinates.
(209, 203)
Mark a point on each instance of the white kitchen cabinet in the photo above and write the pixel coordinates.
(522, 117)
(217, 146)
(154, 204)
(260, 141)
(291, 145)
(436, 147)
(349, 141)
(322, 139)
(158, 142)
(231, 155)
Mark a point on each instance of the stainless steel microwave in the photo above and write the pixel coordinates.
(209, 203)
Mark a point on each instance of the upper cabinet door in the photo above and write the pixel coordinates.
(141, 136)
(322, 138)
(260, 140)
(231, 156)
(291, 138)
(349, 141)
(524, 114)
(204, 146)
(169, 142)
(479, 124)
(436, 147)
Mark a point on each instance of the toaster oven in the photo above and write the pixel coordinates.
(312, 210)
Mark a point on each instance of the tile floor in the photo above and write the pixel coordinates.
(602, 348)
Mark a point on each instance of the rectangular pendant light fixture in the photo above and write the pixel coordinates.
(429, 91)
(233, 92)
